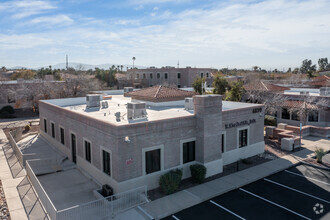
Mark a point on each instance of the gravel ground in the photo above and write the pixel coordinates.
(4, 212)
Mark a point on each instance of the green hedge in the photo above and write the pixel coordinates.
(169, 182)
(7, 109)
(198, 173)
(270, 120)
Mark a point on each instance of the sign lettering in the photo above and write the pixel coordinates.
(256, 110)
(241, 123)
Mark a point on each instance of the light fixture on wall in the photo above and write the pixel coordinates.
(127, 140)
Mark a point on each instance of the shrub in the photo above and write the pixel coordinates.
(169, 182)
(198, 173)
(27, 127)
(319, 152)
(7, 109)
(270, 120)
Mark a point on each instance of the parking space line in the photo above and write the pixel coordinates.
(176, 218)
(306, 177)
(306, 194)
(273, 203)
(145, 212)
(214, 203)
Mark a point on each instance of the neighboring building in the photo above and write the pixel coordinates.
(320, 81)
(264, 86)
(314, 102)
(24, 93)
(170, 76)
(129, 142)
(327, 73)
(234, 78)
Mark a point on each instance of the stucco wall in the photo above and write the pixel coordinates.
(127, 157)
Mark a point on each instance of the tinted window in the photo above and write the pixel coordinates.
(152, 161)
(243, 138)
(106, 162)
(188, 152)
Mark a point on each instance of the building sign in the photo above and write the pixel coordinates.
(129, 161)
(256, 110)
(241, 123)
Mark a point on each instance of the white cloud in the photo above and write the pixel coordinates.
(272, 33)
(127, 22)
(145, 2)
(24, 8)
(52, 20)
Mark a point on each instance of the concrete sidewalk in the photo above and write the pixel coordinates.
(181, 200)
(9, 184)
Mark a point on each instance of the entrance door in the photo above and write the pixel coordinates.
(73, 148)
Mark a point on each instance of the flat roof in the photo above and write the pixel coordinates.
(118, 104)
(296, 91)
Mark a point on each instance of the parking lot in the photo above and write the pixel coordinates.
(301, 192)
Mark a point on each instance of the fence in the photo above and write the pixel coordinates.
(46, 202)
(22, 158)
(106, 207)
(16, 149)
(99, 209)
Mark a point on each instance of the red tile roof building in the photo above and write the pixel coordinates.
(321, 81)
(264, 86)
(160, 94)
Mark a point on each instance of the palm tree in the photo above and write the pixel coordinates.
(133, 61)
(133, 76)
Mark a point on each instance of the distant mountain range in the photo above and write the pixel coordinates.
(81, 66)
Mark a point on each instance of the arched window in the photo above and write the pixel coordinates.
(165, 76)
(202, 75)
(207, 75)
(179, 75)
(137, 75)
(158, 75)
(150, 75)
(144, 75)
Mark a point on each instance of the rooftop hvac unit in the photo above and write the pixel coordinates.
(117, 114)
(128, 89)
(136, 110)
(104, 104)
(188, 104)
(107, 190)
(304, 93)
(93, 100)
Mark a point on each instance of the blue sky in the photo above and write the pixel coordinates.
(232, 33)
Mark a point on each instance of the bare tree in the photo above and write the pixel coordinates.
(271, 100)
(308, 106)
(80, 84)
